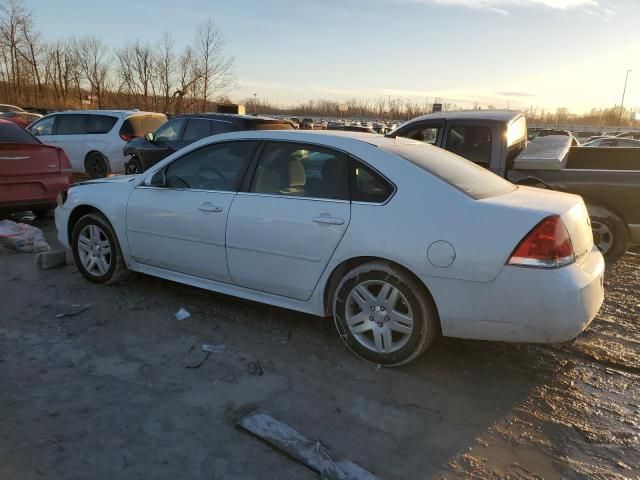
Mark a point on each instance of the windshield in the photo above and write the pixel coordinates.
(466, 176)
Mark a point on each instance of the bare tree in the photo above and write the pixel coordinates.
(165, 69)
(218, 75)
(93, 56)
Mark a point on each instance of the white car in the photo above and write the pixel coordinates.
(93, 139)
(395, 239)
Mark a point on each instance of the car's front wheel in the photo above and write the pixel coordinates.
(96, 250)
(134, 166)
(384, 315)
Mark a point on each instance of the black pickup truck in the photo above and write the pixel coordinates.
(607, 178)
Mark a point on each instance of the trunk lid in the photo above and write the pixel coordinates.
(29, 159)
(569, 207)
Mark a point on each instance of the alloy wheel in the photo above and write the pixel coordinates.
(94, 250)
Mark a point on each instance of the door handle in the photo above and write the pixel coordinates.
(329, 220)
(208, 208)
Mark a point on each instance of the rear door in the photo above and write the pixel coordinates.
(283, 230)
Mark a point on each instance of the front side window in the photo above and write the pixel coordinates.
(219, 167)
(100, 123)
(302, 171)
(71, 125)
(471, 142)
(43, 127)
(367, 185)
(170, 131)
(196, 129)
(424, 133)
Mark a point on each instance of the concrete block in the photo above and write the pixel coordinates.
(53, 259)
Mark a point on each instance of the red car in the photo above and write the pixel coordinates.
(24, 119)
(31, 173)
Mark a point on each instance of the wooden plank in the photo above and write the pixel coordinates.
(309, 452)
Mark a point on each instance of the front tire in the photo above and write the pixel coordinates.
(610, 233)
(384, 315)
(96, 250)
(134, 166)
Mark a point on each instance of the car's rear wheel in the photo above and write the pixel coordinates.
(96, 250)
(96, 165)
(134, 166)
(384, 315)
(610, 233)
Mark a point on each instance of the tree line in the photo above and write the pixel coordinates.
(78, 72)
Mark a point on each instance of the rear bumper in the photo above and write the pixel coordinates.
(523, 304)
(23, 193)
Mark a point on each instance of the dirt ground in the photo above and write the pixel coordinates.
(108, 393)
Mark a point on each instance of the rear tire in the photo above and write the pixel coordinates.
(96, 166)
(384, 315)
(610, 233)
(96, 250)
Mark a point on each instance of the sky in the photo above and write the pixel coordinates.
(507, 53)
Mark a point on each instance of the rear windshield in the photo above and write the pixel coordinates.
(466, 176)
(11, 133)
(270, 126)
(138, 125)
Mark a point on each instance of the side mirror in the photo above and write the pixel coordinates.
(148, 137)
(158, 179)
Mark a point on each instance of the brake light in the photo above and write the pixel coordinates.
(63, 162)
(547, 245)
(126, 136)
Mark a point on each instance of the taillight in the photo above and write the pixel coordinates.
(63, 162)
(547, 245)
(126, 136)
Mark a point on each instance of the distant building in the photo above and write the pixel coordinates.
(231, 108)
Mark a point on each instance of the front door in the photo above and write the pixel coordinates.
(181, 226)
(282, 232)
(167, 139)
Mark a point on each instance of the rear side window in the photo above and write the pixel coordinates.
(138, 125)
(99, 123)
(10, 133)
(71, 124)
(196, 129)
(270, 126)
(302, 171)
(367, 185)
(469, 178)
(221, 127)
(471, 142)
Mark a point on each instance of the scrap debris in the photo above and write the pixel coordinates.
(308, 452)
(182, 314)
(73, 310)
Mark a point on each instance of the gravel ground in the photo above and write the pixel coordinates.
(109, 393)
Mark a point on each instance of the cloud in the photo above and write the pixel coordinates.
(503, 7)
(516, 94)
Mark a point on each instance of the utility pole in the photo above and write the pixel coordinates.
(624, 91)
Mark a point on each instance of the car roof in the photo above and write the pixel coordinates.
(231, 117)
(105, 112)
(491, 115)
(326, 137)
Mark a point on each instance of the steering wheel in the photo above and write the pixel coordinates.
(203, 178)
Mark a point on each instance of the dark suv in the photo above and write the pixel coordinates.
(182, 130)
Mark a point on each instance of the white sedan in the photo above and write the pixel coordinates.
(397, 240)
